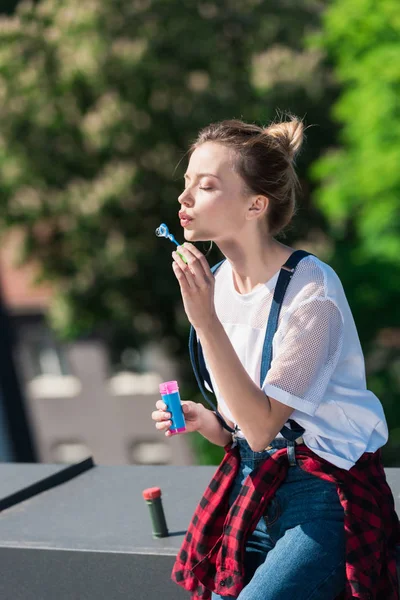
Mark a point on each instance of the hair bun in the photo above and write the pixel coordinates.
(288, 134)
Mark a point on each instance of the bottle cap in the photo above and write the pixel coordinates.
(168, 387)
(151, 493)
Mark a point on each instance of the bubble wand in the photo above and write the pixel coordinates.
(162, 231)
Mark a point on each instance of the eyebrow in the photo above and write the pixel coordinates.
(186, 176)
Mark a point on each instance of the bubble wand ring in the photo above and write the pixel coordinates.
(162, 231)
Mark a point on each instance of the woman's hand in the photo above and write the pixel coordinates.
(191, 410)
(196, 281)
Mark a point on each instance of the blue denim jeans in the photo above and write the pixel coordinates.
(297, 551)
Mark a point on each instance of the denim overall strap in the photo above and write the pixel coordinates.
(205, 376)
(284, 278)
(285, 275)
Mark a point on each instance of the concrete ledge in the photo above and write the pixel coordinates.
(91, 539)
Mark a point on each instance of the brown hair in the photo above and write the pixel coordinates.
(264, 160)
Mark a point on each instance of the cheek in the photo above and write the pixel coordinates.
(216, 203)
(218, 215)
(228, 209)
(221, 208)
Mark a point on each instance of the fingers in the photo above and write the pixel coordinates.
(195, 258)
(184, 272)
(161, 416)
(196, 270)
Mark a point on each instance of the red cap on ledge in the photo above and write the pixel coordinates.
(151, 493)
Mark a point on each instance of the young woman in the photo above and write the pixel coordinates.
(272, 524)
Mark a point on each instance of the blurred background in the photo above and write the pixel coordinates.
(99, 101)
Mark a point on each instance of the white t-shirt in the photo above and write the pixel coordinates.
(317, 361)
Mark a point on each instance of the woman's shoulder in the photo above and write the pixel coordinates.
(314, 278)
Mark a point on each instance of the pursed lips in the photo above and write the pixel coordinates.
(184, 217)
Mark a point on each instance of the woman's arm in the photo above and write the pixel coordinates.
(211, 428)
(259, 417)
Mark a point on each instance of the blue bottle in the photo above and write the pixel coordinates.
(169, 391)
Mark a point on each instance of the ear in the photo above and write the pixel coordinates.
(258, 206)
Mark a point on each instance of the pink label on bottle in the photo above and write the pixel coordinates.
(176, 431)
(168, 387)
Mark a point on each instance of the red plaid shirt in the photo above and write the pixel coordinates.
(211, 556)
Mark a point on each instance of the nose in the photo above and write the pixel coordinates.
(185, 198)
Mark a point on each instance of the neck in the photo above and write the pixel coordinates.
(254, 261)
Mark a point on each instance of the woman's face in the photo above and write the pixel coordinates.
(214, 199)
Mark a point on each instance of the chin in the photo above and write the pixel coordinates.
(192, 236)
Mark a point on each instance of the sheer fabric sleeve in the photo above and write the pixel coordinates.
(306, 349)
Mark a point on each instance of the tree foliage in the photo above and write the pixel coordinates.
(360, 183)
(100, 100)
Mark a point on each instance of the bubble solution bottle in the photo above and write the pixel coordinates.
(169, 391)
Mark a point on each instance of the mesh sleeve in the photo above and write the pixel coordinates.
(306, 349)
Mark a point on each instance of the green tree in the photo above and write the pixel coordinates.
(360, 184)
(99, 103)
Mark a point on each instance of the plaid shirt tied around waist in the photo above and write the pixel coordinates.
(211, 557)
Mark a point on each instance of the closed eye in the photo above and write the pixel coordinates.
(205, 188)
